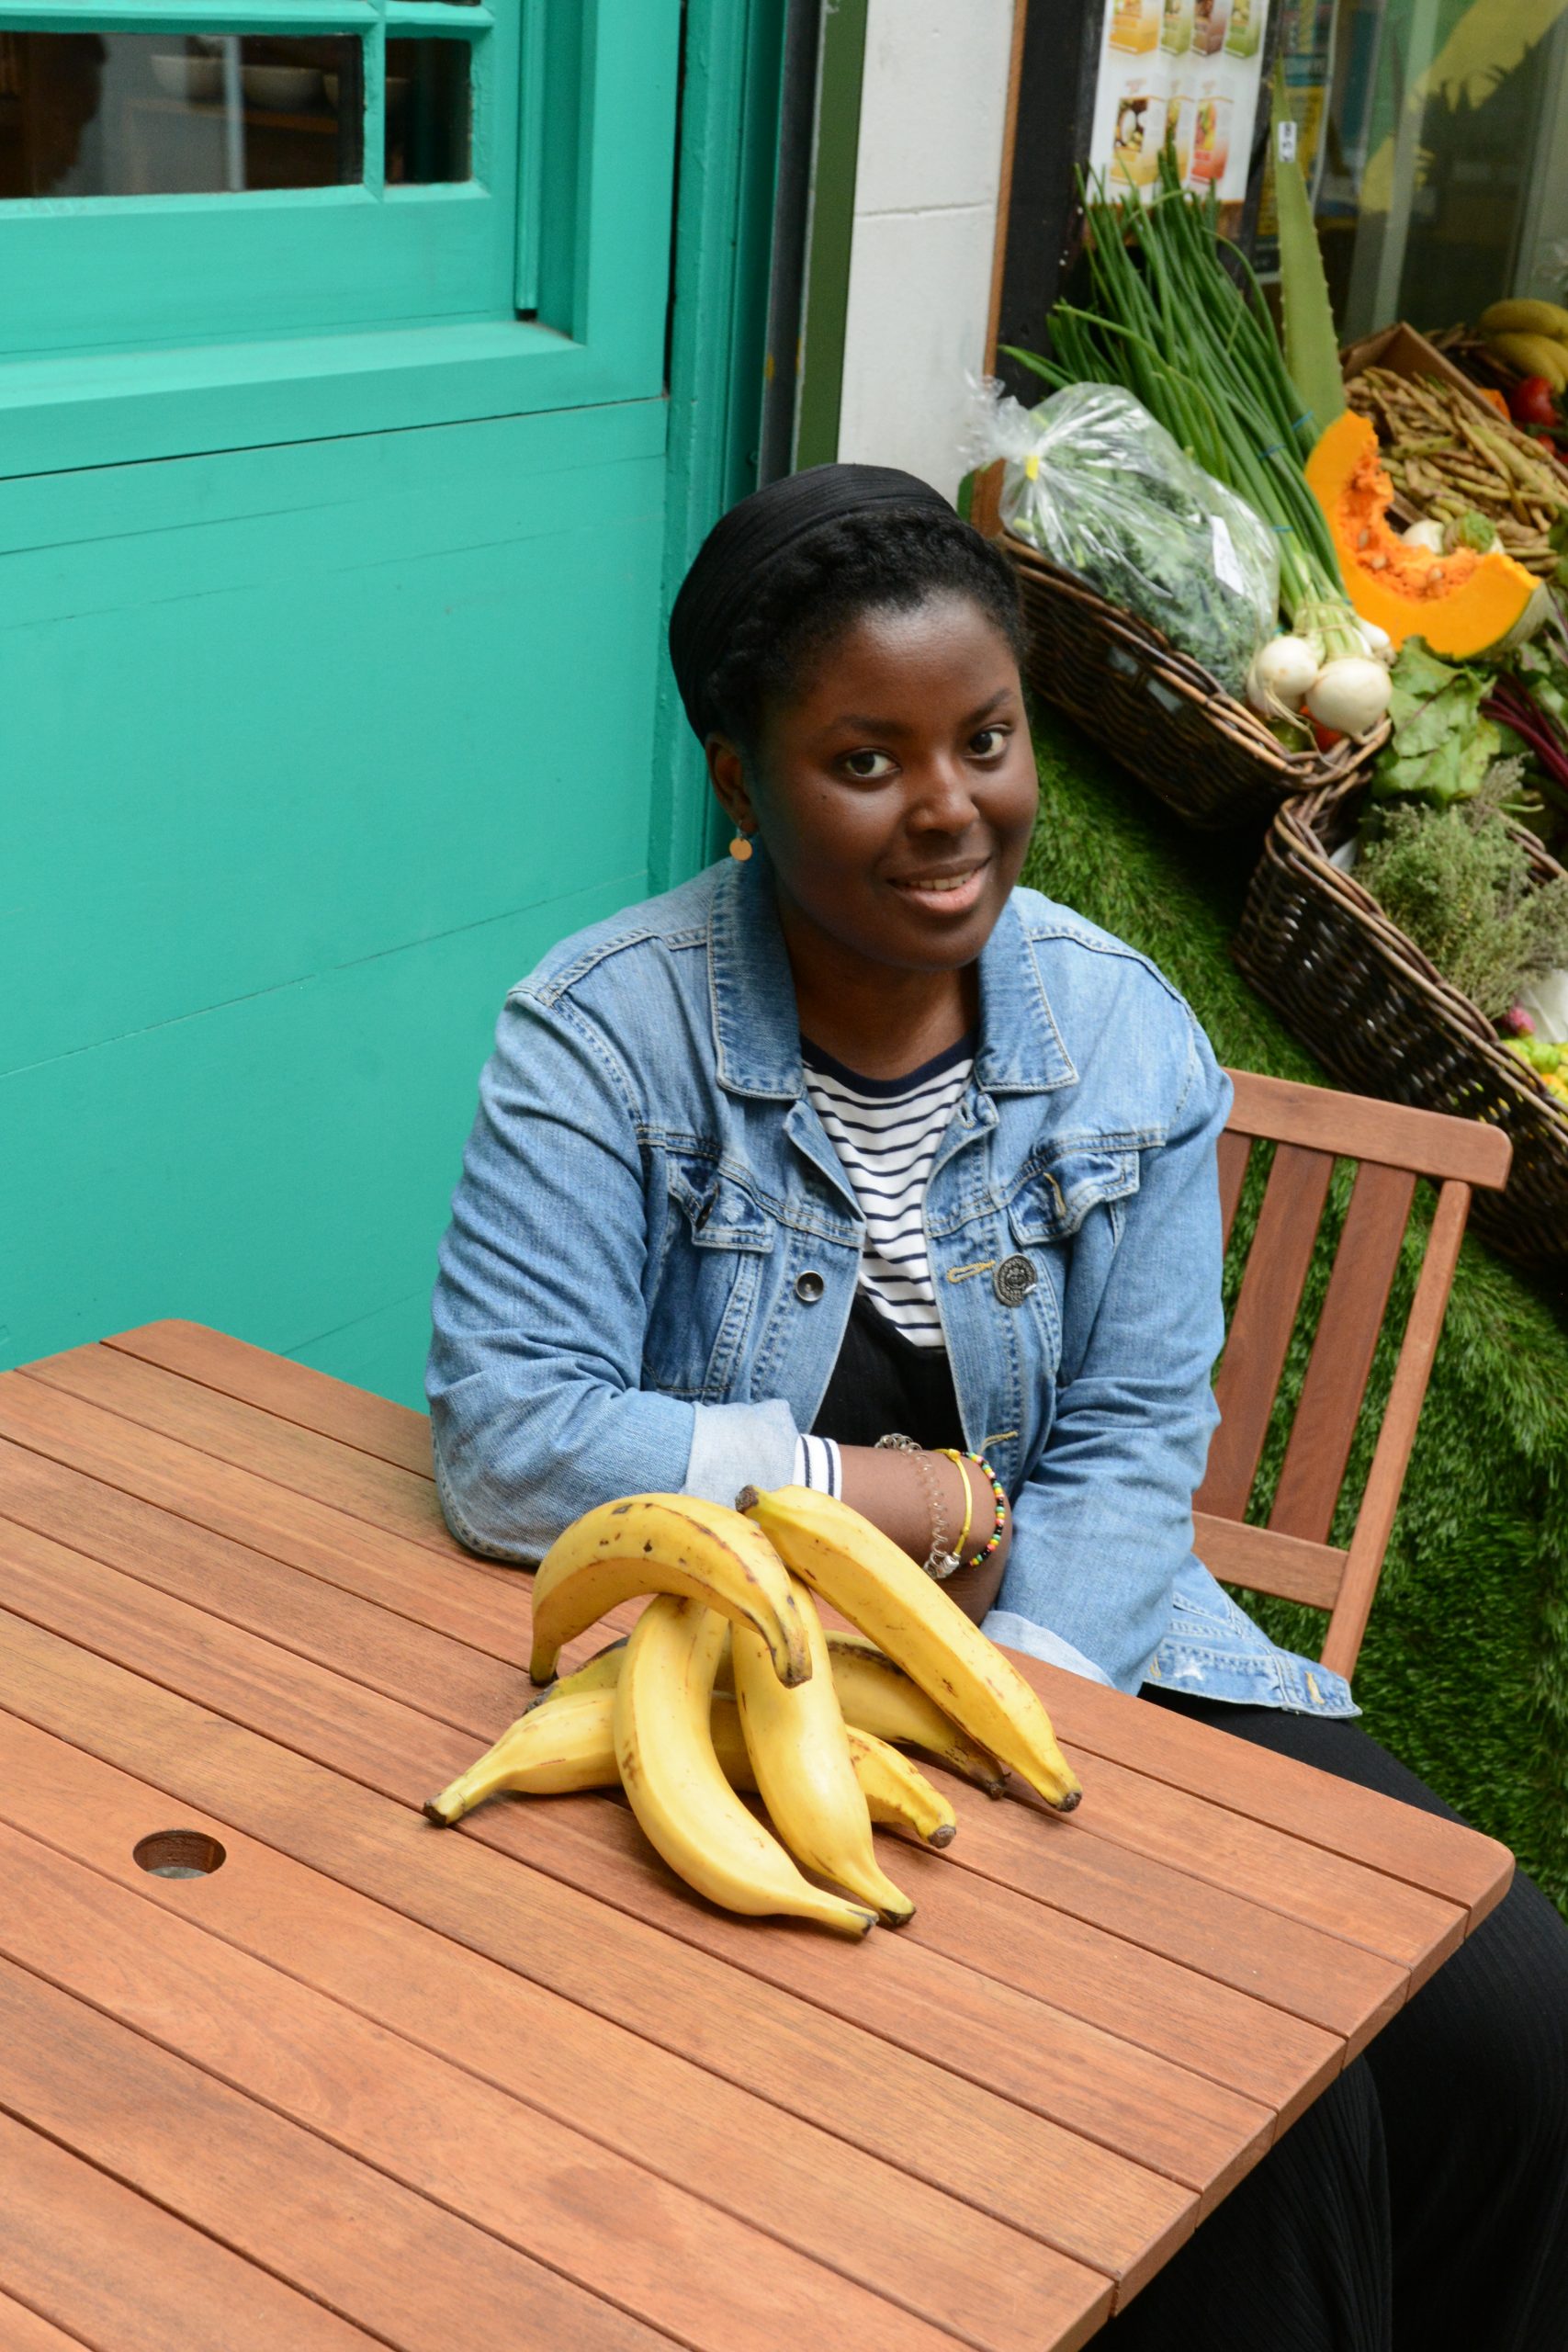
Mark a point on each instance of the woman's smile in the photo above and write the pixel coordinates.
(945, 890)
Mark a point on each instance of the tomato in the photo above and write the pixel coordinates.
(1532, 404)
(1325, 737)
(1499, 402)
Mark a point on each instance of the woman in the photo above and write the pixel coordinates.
(851, 1140)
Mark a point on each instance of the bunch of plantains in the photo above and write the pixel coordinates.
(730, 1680)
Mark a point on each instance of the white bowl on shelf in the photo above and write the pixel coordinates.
(198, 80)
(281, 89)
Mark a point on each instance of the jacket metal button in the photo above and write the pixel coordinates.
(809, 1287)
(1013, 1281)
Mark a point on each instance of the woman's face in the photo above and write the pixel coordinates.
(894, 789)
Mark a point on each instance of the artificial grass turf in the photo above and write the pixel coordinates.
(1464, 1669)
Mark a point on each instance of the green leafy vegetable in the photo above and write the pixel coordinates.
(1441, 746)
(1107, 494)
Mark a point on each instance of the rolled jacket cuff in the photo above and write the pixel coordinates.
(740, 1445)
(1011, 1632)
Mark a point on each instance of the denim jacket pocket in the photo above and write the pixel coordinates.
(1056, 1193)
(721, 1214)
(717, 1237)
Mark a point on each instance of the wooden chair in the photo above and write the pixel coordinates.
(1393, 1146)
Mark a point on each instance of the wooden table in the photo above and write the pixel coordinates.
(513, 2086)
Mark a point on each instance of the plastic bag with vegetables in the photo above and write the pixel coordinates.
(1102, 490)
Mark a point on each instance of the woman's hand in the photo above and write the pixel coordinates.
(894, 1490)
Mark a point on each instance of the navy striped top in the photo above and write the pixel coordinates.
(885, 1132)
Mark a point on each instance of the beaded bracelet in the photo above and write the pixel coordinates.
(998, 1493)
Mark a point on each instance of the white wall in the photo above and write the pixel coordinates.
(933, 110)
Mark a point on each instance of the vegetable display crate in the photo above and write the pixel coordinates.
(1381, 1020)
(1157, 711)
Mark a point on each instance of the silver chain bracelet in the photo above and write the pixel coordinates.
(939, 1562)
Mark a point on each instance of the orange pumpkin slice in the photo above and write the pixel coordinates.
(1462, 604)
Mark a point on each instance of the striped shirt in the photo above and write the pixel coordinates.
(885, 1132)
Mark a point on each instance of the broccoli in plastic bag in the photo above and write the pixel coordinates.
(1101, 488)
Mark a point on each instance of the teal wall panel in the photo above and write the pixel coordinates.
(370, 709)
(324, 746)
(279, 1167)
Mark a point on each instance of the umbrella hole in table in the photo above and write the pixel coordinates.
(178, 1853)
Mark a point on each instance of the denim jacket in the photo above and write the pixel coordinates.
(653, 1253)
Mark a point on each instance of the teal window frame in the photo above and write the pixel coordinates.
(126, 272)
(594, 99)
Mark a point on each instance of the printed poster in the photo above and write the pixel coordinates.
(1186, 71)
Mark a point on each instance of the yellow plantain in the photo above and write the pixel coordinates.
(881, 1708)
(806, 1775)
(553, 1750)
(676, 1787)
(576, 1751)
(897, 1794)
(600, 1672)
(876, 1695)
(879, 1588)
(668, 1544)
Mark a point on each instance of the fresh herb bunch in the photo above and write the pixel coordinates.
(1456, 880)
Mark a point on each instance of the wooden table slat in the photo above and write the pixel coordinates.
(286, 1606)
(1444, 1857)
(475, 1601)
(22, 2329)
(293, 1391)
(906, 2242)
(1302, 1969)
(110, 2269)
(1104, 2210)
(401, 1501)
(1234, 1849)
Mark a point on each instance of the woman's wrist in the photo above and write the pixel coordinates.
(893, 1490)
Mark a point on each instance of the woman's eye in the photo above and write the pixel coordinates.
(989, 743)
(868, 767)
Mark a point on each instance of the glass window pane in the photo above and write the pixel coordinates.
(156, 113)
(428, 112)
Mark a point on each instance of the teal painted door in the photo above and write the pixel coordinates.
(331, 673)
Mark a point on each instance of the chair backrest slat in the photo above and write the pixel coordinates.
(1374, 1522)
(1356, 1128)
(1324, 1426)
(1311, 1127)
(1261, 1327)
(1235, 1151)
(1257, 1557)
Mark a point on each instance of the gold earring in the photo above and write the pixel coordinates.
(741, 847)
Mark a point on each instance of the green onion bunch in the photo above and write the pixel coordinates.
(1197, 347)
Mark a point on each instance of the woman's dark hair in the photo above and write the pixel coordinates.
(875, 561)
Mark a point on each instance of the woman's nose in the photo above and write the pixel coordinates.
(943, 801)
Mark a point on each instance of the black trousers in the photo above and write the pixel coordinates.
(1422, 2202)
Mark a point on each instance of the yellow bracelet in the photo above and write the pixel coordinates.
(952, 1455)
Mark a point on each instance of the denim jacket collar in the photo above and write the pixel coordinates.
(756, 1027)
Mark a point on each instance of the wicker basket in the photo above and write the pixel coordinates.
(1205, 754)
(1383, 1021)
